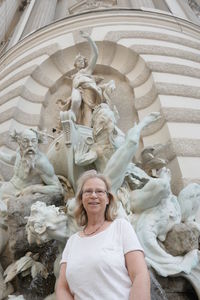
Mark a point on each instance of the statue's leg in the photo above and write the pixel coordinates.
(76, 100)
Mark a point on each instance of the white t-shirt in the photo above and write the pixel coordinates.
(96, 265)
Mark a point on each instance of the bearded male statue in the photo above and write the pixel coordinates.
(33, 173)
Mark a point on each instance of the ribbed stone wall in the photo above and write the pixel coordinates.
(155, 57)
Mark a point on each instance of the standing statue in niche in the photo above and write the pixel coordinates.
(33, 173)
(87, 92)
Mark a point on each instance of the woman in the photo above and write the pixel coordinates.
(104, 261)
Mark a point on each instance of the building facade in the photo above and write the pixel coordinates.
(151, 48)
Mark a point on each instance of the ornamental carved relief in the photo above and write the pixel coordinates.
(195, 7)
(85, 5)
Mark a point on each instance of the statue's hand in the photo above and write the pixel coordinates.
(164, 173)
(152, 117)
(84, 34)
(80, 149)
(26, 191)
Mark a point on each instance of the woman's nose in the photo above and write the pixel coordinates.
(93, 193)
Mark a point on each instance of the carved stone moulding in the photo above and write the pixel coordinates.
(86, 5)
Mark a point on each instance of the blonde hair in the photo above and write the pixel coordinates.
(80, 212)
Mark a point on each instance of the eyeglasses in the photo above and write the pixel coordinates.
(88, 193)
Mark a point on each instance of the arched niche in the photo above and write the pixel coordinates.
(115, 61)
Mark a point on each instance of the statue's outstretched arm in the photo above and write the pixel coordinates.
(95, 53)
(42, 189)
(119, 161)
(117, 165)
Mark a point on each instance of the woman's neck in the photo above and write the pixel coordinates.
(95, 220)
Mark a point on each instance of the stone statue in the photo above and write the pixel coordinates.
(189, 200)
(107, 139)
(152, 226)
(33, 173)
(86, 89)
(61, 151)
(125, 152)
(156, 209)
(47, 223)
(150, 162)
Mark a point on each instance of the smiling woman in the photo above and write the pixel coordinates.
(105, 260)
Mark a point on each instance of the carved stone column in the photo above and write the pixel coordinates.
(176, 9)
(7, 12)
(42, 14)
(143, 3)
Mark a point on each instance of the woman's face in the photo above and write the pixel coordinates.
(94, 196)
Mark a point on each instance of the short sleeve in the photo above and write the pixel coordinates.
(129, 238)
(66, 250)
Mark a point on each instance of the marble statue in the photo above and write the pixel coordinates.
(33, 173)
(189, 201)
(87, 92)
(156, 209)
(47, 223)
(152, 226)
(82, 148)
(107, 139)
(150, 162)
(125, 152)
(61, 151)
(146, 201)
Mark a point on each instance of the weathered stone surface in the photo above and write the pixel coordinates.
(177, 288)
(181, 239)
(18, 209)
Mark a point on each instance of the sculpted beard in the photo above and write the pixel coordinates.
(28, 162)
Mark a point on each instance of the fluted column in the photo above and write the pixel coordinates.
(189, 12)
(176, 9)
(142, 3)
(8, 8)
(62, 9)
(42, 14)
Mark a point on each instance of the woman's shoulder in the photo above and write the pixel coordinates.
(122, 222)
(72, 237)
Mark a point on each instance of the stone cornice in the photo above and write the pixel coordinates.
(106, 17)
